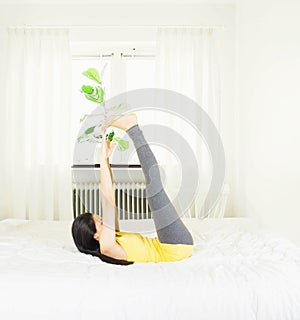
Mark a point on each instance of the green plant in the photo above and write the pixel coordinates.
(96, 94)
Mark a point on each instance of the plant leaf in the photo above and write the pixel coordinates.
(89, 130)
(90, 97)
(81, 137)
(84, 117)
(101, 95)
(111, 135)
(87, 89)
(122, 144)
(97, 95)
(93, 74)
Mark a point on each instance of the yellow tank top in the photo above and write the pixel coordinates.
(143, 249)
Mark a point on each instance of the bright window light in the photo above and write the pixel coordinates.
(140, 73)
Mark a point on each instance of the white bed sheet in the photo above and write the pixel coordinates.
(239, 271)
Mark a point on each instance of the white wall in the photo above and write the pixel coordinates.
(2, 53)
(3, 38)
(268, 100)
(122, 16)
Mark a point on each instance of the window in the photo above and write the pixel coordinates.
(122, 73)
(140, 73)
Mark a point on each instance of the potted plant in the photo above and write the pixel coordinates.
(96, 94)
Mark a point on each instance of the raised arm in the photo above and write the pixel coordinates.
(117, 227)
(107, 238)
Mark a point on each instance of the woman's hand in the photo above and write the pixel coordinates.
(106, 149)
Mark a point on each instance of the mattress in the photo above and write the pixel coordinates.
(239, 270)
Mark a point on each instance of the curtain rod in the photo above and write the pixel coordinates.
(117, 26)
(122, 55)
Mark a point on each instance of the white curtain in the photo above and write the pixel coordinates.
(187, 62)
(36, 129)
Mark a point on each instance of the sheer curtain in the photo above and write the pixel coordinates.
(36, 129)
(187, 62)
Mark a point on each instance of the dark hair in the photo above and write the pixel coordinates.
(83, 230)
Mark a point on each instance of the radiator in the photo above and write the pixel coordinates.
(130, 199)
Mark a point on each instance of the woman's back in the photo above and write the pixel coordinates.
(144, 249)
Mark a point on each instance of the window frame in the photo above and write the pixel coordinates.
(117, 53)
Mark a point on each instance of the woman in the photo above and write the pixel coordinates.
(102, 238)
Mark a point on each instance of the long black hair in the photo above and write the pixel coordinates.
(83, 230)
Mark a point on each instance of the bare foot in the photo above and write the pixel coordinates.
(125, 122)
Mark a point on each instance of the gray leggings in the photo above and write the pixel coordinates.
(169, 227)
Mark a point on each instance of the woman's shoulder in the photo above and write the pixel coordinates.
(125, 234)
(121, 233)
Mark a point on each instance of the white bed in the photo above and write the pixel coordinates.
(239, 271)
